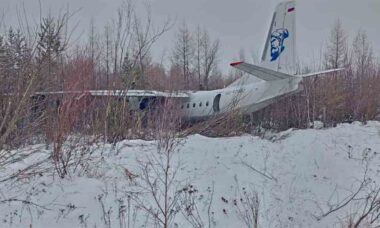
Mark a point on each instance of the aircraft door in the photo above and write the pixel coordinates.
(216, 103)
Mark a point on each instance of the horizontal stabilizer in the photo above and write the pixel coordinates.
(320, 72)
(260, 72)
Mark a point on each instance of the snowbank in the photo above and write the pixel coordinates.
(298, 177)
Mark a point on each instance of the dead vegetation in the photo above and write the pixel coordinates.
(39, 59)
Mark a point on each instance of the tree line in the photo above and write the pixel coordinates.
(119, 56)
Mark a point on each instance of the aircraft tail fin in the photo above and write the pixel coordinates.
(280, 47)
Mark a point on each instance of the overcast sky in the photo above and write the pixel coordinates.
(238, 24)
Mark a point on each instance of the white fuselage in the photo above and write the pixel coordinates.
(245, 98)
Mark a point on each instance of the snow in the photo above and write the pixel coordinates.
(300, 174)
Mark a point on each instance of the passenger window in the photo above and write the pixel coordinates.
(193, 105)
(188, 105)
(206, 103)
(200, 104)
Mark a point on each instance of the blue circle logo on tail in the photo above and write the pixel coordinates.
(277, 42)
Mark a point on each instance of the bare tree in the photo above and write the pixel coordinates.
(122, 32)
(108, 53)
(133, 38)
(363, 81)
(183, 53)
(210, 51)
(336, 53)
(205, 54)
(145, 36)
(94, 49)
(159, 169)
(331, 89)
(362, 54)
(198, 55)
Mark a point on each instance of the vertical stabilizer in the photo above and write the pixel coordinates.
(280, 47)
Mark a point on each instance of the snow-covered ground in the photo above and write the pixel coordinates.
(298, 175)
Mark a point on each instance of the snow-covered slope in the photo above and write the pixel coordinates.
(298, 177)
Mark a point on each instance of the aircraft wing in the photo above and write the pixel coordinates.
(320, 72)
(122, 93)
(138, 93)
(260, 72)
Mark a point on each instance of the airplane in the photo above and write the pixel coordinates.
(276, 74)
